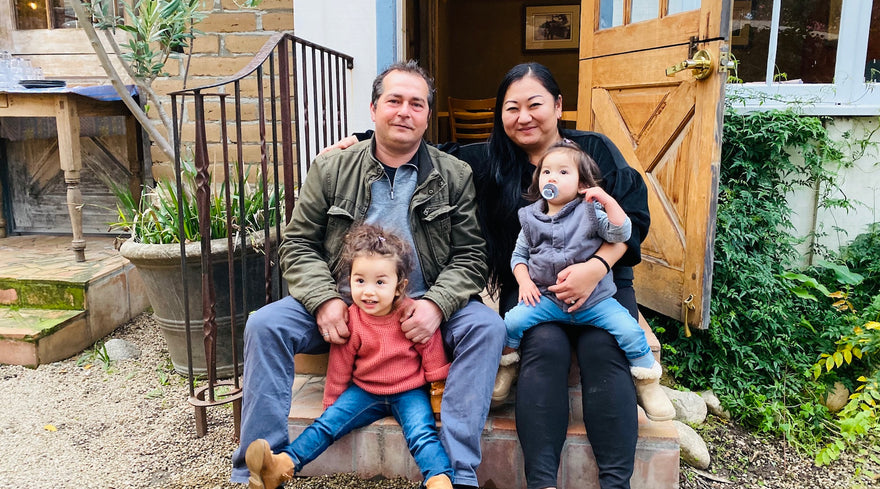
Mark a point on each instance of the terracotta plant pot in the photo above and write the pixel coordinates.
(159, 267)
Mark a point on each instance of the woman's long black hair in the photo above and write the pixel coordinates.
(509, 173)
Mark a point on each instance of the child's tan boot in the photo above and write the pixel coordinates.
(438, 482)
(437, 389)
(505, 377)
(651, 397)
(268, 471)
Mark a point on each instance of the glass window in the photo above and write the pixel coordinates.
(872, 60)
(645, 10)
(610, 13)
(678, 6)
(805, 40)
(53, 14)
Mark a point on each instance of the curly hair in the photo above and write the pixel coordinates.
(370, 240)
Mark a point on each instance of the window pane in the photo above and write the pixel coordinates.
(872, 62)
(806, 47)
(750, 38)
(63, 16)
(645, 10)
(610, 13)
(30, 14)
(678, 6)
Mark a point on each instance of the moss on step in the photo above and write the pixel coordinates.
(46, 295)
(29, 325)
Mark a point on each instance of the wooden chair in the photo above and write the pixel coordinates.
(471, 121)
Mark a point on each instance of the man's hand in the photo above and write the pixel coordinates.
(332, 319)
(422, 318)
(575, 283)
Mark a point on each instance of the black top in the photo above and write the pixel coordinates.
(501, 226)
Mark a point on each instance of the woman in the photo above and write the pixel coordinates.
(528, 108)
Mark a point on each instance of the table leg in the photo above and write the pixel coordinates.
(134, 162)
(69, 151)
(2, 219)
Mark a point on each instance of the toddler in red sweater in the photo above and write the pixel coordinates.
(378, 372)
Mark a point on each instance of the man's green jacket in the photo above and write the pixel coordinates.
(442, 217)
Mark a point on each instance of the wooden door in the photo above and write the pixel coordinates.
(668, 128)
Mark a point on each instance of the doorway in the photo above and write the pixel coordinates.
(468, 46)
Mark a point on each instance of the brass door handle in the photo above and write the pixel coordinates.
(701, 64)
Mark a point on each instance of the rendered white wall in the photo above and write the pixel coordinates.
(348, 27)
(860, 184)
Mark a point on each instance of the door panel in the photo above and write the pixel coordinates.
(669, 129)
(38, 193)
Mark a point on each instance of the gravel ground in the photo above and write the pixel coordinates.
(80, 424)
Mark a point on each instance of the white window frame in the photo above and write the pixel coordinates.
(848, 95)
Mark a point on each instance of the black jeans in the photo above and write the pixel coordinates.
(609, 399)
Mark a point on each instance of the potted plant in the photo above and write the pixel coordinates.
(154, 249)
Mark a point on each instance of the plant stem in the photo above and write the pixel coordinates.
(85, 22)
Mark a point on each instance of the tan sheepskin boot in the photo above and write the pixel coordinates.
(268, 471)
(505, 377)
(657, 406)
(437, 389)
(438, 482)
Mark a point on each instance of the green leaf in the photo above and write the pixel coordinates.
(842, 273)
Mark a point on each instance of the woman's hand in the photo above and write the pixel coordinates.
(575, 283)
(341, 144)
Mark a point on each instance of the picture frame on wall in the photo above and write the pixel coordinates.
(551, 27)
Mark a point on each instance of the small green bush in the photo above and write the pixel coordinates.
(762, 339)
(156, 220)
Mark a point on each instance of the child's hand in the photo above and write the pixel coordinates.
(615, 213)
(529, 293)
(597, 194)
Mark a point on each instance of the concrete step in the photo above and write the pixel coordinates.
(379, 449)
(52, 307)
(34, 336)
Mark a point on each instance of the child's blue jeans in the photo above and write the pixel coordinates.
(607, 314)
(356, 407)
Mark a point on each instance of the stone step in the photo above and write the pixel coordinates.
(52, 307)
(34, 336)
(379, 449)
(47, 294)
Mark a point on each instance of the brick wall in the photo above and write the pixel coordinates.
(230, 37)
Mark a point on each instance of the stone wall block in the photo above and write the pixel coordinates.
(229, 22)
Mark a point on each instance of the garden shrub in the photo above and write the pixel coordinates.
(762, 339)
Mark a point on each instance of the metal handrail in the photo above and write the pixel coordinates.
(292, 98)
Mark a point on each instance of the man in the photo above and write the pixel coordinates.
(396, 181)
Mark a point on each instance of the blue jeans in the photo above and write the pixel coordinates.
(607, 314)
(276, 332)
(356, 407)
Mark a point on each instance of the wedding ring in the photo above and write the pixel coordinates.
(325, 334)
(572, 301)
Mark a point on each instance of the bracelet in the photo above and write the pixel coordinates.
(607, 266)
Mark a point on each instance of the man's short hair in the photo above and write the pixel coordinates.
(410, 66)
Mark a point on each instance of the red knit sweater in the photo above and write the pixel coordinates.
(380, 360)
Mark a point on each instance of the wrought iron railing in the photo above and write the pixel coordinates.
(286, 104)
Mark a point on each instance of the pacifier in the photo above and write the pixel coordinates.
(549, 191)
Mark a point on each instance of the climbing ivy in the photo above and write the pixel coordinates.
(763, 340)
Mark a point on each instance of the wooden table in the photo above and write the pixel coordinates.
(67, 106)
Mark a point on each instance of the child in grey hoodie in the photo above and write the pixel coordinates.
(571, 218)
